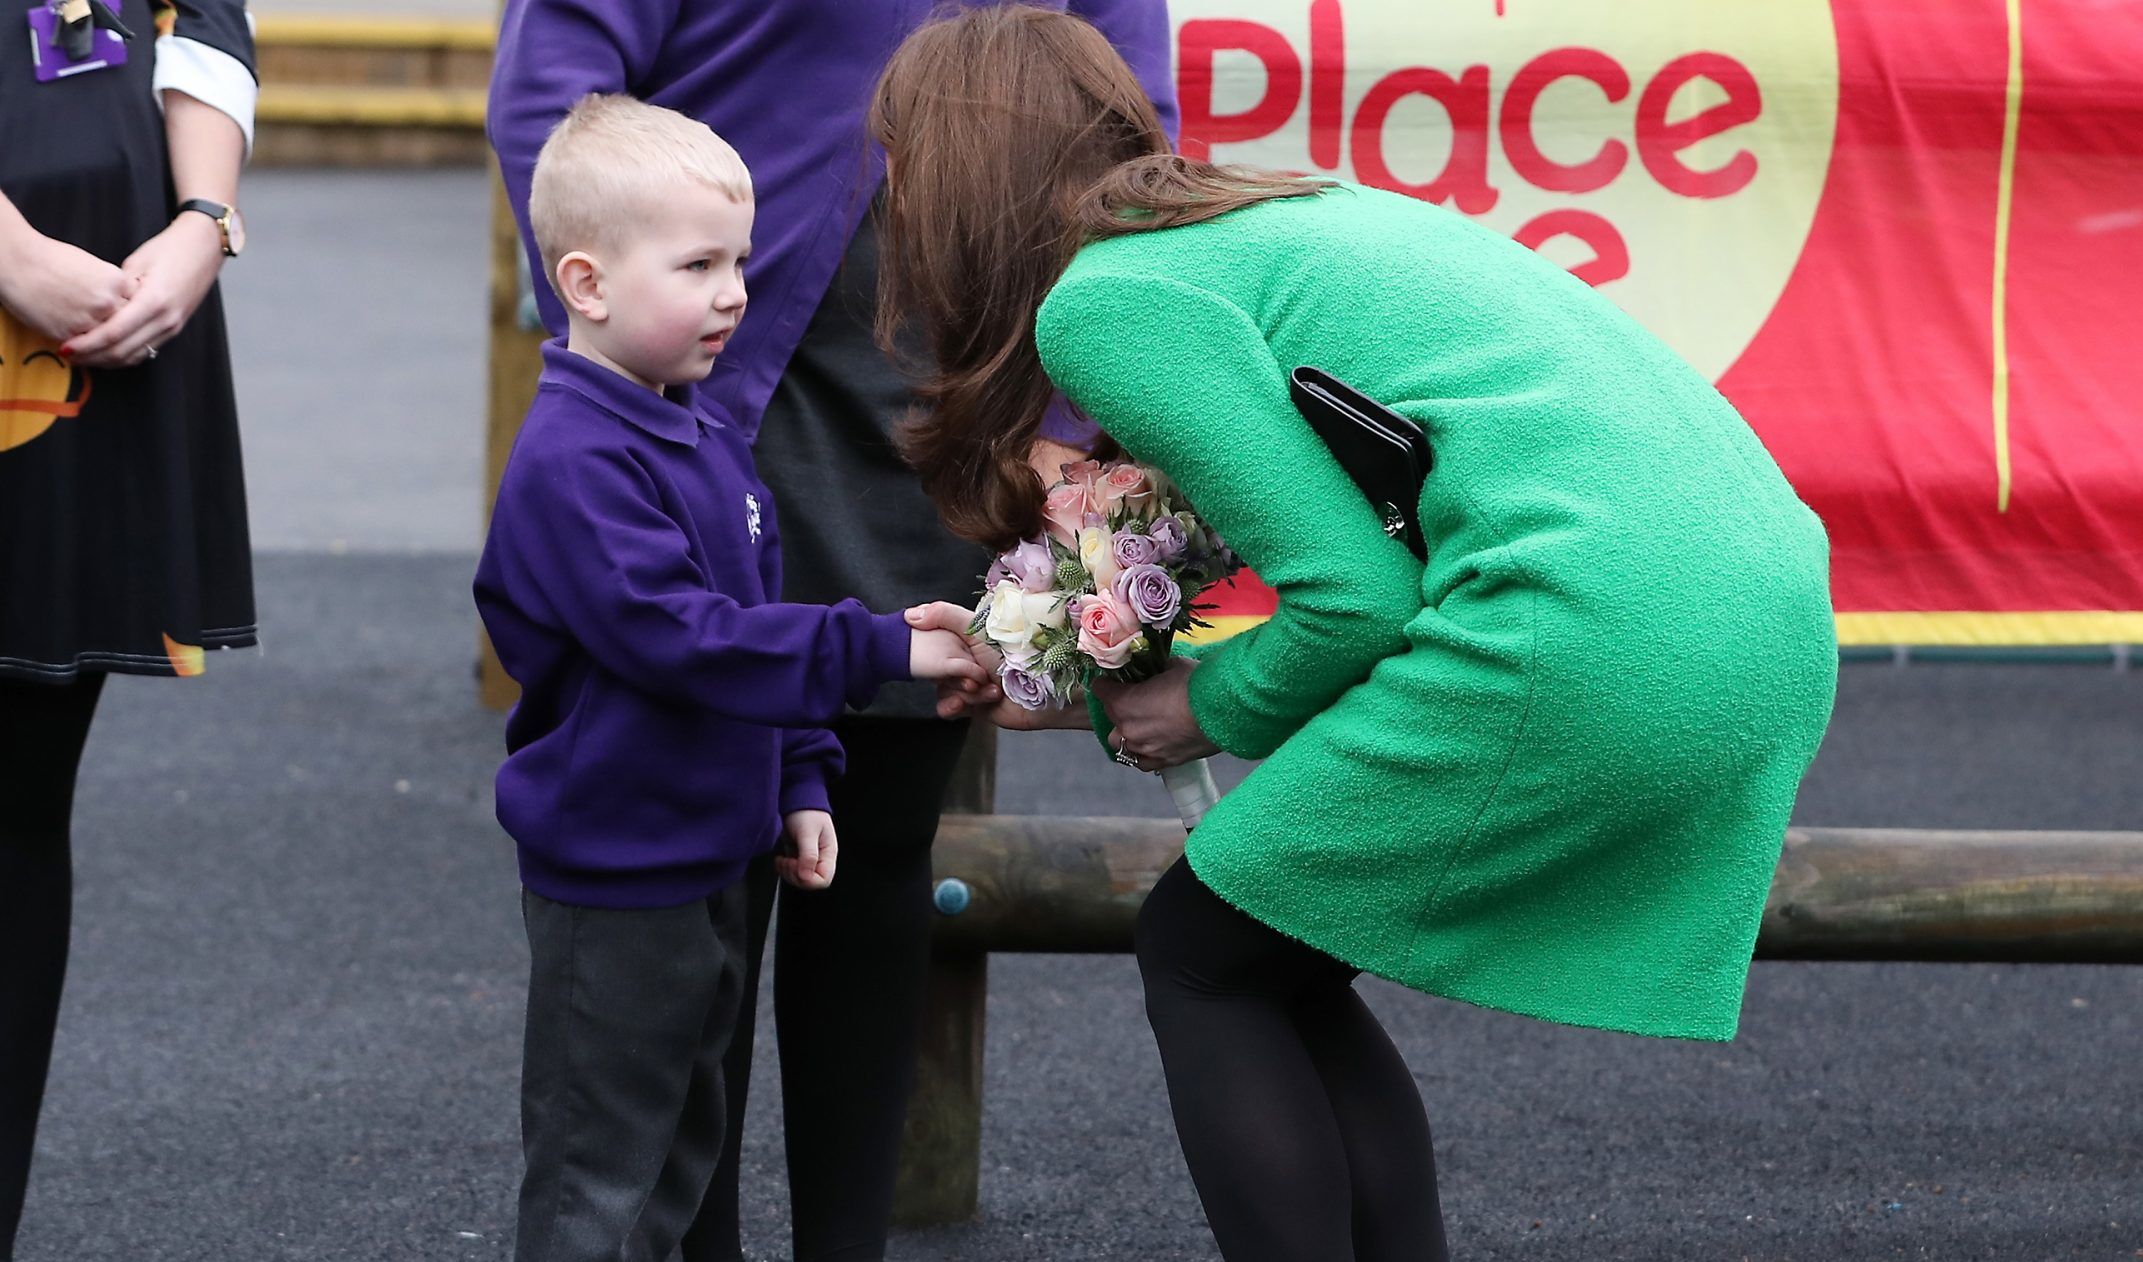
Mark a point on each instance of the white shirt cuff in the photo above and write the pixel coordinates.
(208, 75)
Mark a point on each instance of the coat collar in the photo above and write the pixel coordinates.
(675, 415)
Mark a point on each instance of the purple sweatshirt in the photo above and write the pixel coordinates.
(786, 82)
(670, 714)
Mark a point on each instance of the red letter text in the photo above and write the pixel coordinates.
(1516, 123)
(1202, 128)
(1659, 141)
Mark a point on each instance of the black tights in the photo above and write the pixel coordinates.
(850, 963)
(1302, 1126)
(42, 730)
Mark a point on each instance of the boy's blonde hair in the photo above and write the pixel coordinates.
(610, 159)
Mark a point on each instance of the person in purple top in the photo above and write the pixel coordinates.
(786, 82)
(671, 724)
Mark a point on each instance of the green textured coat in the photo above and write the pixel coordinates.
(1549, 772)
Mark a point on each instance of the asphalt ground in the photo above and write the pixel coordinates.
(292, 1024)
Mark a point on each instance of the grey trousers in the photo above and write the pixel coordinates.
(622, 1101)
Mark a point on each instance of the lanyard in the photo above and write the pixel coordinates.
(76, 23)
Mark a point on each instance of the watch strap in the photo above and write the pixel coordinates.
(216, 211)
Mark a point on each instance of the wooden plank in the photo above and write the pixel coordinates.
(318, 31)
(334, 145)
(516, 362)
(361, 106)
(941, 1147)
(1914, 894)
(1061, 884)
(1039, 884)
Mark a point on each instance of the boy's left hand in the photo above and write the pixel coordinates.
(807, 862)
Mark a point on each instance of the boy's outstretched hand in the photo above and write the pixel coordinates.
(805, 858)
(965, 695)
(942, 655)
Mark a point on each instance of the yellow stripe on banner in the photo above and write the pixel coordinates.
(1988, 629)
(1223, 627)
(2012, 112)
(1993, 629)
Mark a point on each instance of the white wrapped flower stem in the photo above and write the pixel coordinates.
(1191, 785)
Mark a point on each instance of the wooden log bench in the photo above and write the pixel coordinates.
(1032, 883)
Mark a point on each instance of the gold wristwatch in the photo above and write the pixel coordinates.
(227, 222)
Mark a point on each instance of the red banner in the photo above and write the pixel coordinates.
(1904, 237)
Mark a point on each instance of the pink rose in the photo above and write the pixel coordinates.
(1108, 630)
(1064, 509)
(1125, 484)
(1084, 473)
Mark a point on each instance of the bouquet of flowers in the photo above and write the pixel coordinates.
(1102, 593)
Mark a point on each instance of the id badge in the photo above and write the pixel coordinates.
(107, 49)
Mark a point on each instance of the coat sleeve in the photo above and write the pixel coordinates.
(550, 54)
(1224, 429)
(811, 757)
(597, 557)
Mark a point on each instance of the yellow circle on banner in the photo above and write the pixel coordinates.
(1671, 152)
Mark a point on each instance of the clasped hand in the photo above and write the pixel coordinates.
(1153, 718)
(112, 317)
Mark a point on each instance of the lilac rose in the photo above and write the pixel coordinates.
(1029, 690)
(1211, 556)
(1134, 550)
(1169, 540)
(1031, 566)
(1153, 596)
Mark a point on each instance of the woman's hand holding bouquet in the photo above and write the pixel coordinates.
(1096, 600)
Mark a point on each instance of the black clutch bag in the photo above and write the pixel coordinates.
(1386, 454)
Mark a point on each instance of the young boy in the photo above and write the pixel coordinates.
(670, 724)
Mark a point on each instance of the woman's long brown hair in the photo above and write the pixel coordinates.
(1014, 135)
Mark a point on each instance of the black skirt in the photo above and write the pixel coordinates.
(123, 541)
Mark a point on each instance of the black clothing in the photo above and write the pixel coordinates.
(123, 540)
(850, 963)
(42, 730)
(854, 519)
(623, 1113)
(1301, 1124)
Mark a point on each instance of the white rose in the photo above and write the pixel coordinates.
(1097, 552)
(1046, 609)
(1016, 617)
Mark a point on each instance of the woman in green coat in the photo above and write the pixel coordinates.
(1548, 771)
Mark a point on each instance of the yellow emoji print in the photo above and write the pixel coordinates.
(37, 386)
